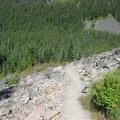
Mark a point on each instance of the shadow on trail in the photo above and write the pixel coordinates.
(6, 93)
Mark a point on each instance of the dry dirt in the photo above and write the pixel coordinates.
(71, 107)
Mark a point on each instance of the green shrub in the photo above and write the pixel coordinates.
(115, 115)
(106, 93)
(86, 101)
(13, 81)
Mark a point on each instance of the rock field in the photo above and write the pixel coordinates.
(36, 96)
(109, 24)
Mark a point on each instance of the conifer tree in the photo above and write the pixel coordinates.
(70, 55)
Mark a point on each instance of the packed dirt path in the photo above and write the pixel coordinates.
(71, 107)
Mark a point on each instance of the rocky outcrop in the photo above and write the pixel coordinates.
(109, 24)
(92, 68)
(36, 96)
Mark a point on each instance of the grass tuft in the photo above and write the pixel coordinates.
(12, 81)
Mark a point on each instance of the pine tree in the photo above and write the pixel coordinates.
(70, 55)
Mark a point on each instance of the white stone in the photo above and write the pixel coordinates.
(60, 68)
(118, 59)
(4, 111)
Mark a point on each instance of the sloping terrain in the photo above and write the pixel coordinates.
(53, 94)
(71, 107)
(33, 33)
(38, 32)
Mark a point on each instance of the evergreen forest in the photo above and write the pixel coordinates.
(33, 32)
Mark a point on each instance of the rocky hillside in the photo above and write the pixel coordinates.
(109, 25)
(37, 96)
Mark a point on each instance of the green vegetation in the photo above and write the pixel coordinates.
(82, 78)
(33, 32)
(105, 96)
(86, 101)
(41, 67)
(12, 81)
(107, 93)
(93, 23)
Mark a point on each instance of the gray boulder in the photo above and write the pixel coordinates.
(117, 52)
(101, 64)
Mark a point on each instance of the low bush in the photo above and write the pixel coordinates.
(103, 100)
(106, 94)
(115, 115)
(12, 81)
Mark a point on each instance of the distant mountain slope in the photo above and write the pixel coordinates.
(33, 33)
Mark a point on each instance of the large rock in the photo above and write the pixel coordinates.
(117, 51)
(49, 115)
(36, 115)
(101, 64)
(118, 59)
(86, 61)
(60, 68)
(109, 24)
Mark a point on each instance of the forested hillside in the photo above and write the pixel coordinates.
(34, 32)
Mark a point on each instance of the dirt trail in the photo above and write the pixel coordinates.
(71, 107)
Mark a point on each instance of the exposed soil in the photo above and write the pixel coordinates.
(71, 107)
